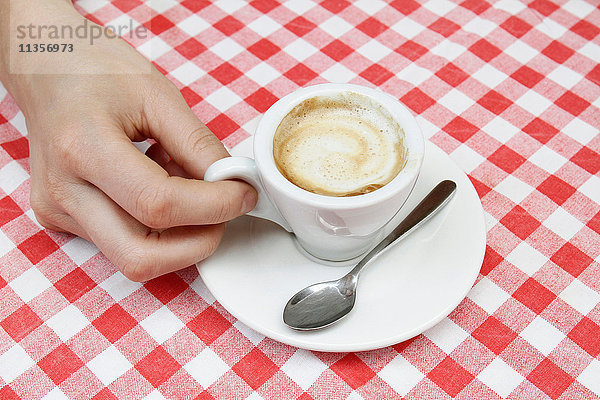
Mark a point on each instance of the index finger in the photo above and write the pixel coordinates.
(149, 194)
(139, 252)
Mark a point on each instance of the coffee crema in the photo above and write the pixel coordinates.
(340, 145)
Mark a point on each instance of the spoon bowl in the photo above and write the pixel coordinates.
(325, 303)
(329, 301)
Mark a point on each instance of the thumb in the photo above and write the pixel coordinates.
(183, 136)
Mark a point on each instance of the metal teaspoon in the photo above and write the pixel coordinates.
(322, 304)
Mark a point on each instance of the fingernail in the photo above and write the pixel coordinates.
(249, 201)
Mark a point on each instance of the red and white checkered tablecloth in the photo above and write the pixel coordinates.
(509, 89)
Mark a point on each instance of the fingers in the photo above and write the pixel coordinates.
(175, 170)
(187, 140)
(158, 200)
(160, 156)
(62, 223)
(140, 253)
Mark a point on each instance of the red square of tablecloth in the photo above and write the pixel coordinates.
(495, 335)
(209, 325)
(300, 26)
(114, 323)
(166, 287)
(534, 295)
(353, 370)
(550, 378)
(9, 210)
(60, 364)
(571, 259)
(158, 366)
(18, 148)
(450, 376)
(21, 322)
(38, 246)
(75, 284)
(255, 368)
(586, 334)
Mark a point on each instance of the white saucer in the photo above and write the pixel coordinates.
(409, 288)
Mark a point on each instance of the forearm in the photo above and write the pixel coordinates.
(15, 66)
(5, 11)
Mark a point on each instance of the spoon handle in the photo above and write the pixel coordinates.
(433, 202)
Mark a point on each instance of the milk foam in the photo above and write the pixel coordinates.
(343, 145)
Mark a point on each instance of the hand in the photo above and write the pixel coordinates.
(149, 215)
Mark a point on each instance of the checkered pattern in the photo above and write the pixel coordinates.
(510, 89)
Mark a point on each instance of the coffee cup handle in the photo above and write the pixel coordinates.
(244, 168)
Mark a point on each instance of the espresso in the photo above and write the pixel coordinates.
(340, 145)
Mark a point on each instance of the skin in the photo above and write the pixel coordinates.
(149, 214)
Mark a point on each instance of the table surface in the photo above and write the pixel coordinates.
(511, 91)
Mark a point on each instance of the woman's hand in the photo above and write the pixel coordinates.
(149, 214)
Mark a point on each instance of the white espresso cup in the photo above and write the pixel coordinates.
(327, 227)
